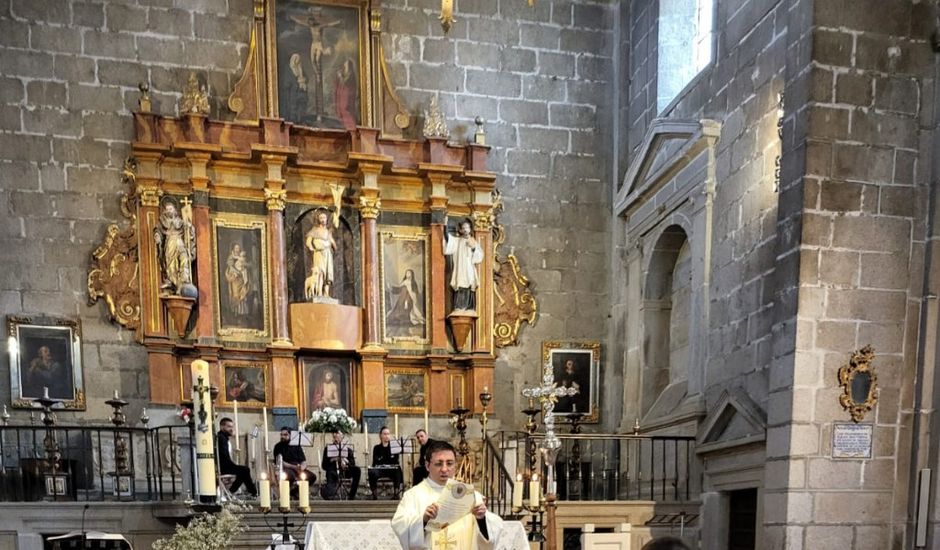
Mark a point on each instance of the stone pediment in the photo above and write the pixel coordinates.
(735, 421)
(668, 146)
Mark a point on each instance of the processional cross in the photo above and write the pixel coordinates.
(548, 394)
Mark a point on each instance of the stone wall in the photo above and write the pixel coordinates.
(539, 77)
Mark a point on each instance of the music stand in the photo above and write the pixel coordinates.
(337, 452)
(300, 438)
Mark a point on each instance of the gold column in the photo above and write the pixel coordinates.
(148, 188)
(483, 228)
(275, 197)
(199, 179)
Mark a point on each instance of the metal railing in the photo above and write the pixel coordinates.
(95, 463)
(597, 467)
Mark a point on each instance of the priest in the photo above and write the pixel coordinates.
(478, 530)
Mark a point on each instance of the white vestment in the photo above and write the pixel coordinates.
(465, 534)
(465, 258)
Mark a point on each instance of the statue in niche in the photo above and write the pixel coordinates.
(466, 253)
(175, 238)
(319, 241)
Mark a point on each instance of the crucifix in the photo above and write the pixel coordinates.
(548, 394)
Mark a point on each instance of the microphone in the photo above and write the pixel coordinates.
(84, 538)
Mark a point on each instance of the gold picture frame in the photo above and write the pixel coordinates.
(458, 388)
(320, 62)
(406, 390)
(859, 384)
(240, 273)
(575, 364)
(246, 382)
(404, 272)
(45, 357)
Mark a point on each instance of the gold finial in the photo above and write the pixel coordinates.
(144, 102)
(447, 15)
(195, 97)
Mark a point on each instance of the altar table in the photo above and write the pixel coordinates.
(378, 535)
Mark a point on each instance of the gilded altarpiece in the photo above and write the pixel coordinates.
(308, 260)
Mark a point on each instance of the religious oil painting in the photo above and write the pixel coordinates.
(405, 300)
(322, 53)
(247, 383)
(327, 382)
(241, 278)
(575, 365)
(406, 390)
(45, 361)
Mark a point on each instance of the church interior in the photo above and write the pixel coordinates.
(644, 269)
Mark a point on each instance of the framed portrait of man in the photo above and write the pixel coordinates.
(246, 382)
(322, 62)
(327, 382)
(45, 361)
(240, 264)
(575, 365)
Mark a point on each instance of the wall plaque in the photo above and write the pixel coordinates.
(850, 440)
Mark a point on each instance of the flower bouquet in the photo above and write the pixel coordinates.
(328, 420)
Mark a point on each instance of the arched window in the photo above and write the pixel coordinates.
(685, 46)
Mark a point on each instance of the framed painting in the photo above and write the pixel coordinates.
(327, 382)
(45, 361)
(403, 271)
(457, 389)
(575, 365)
(240, 262)
(322, 64)
(406, 390)
(246, 382)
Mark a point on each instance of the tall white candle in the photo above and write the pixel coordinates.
(303, 490)
(264, 412)
(237, 433)
(265, 492)
(396, 424)
(365, 430)
(534, 490)
(284, 490)
(425, 419)
(517, 492)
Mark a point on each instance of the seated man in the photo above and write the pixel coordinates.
(420, 472)
(418, 506)
(293, 459)
(337, 468)
(384, 464)
(227, 466)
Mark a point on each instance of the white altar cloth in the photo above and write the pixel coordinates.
(378, 535)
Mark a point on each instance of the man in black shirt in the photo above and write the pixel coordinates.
(420, 472)
(227, 466)
(343, 466)
(293, 459)
(385, 465)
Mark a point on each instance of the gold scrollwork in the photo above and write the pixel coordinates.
(483, 220)
(859, 384)
(369, 207)
(512, 296)
(275, 198)
(114, 271)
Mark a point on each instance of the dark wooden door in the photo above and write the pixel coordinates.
(742, 526)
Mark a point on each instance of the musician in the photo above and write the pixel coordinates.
(420, 472)
(227, 466)
(385, 465)
(338, 468)
(293, 459)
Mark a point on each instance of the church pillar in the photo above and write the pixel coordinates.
(275, 197)
(149, 191)
(373, 354)
(483, 227)
(199, 180)
(438, 180)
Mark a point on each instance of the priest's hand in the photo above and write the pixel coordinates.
(430, 513)
(479, 511)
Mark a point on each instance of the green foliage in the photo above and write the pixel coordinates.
(206, 532)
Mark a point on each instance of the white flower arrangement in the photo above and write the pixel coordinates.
(328, 420)
(206, 532)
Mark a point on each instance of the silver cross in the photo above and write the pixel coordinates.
(548, 394)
